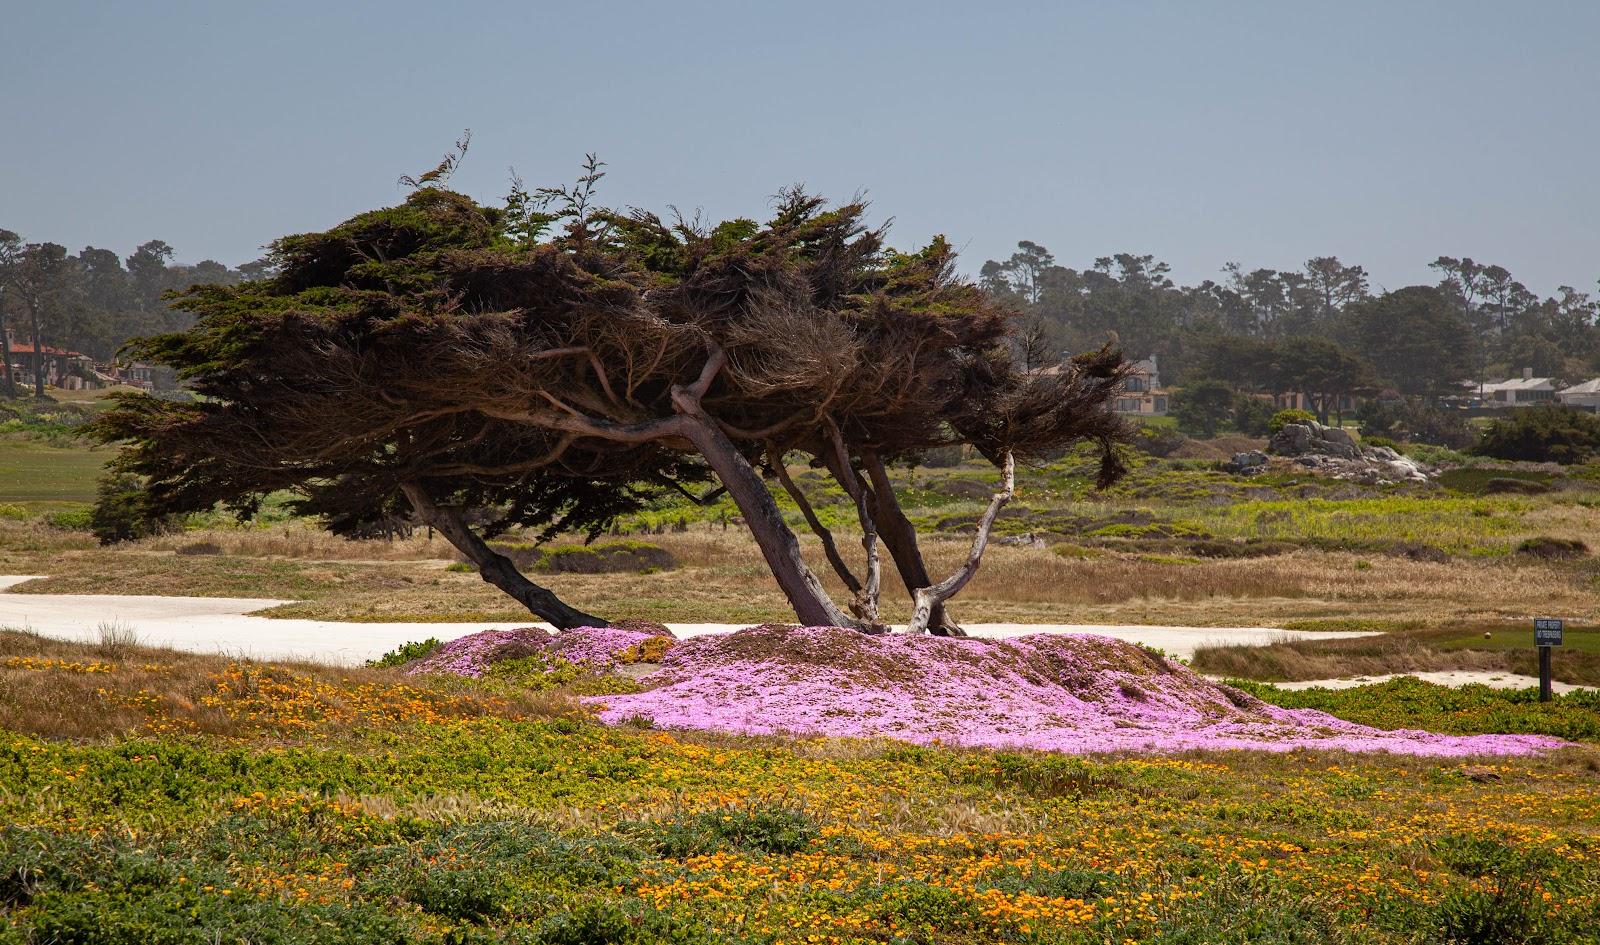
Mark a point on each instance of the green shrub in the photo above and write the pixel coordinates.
(76, 520)
(406, 652)
(1203, 408)
(1408, 702)
(1252, 416)
(120, 513)
(1383, 441)
(1283, 418)
(1055, 884)
(1543, 435)
(1157, 441)
(461, 567)
(1415, 423)
(1510, 912)
(1481, 481)
(607, 923)
(765, 829)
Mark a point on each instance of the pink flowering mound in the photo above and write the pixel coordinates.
(595, 648)
(1050, 692)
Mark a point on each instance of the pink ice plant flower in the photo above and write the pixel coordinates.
(596, 648)
(1052, 692)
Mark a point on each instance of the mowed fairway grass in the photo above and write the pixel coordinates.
(47, 478)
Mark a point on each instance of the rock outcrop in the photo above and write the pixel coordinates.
(1336, 453)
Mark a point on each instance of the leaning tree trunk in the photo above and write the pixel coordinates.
(900, 537)
(496, 568)
(38, 351)
(778, 543)
(5, 356)
(866, 605)
(830, 548)
(929, 597)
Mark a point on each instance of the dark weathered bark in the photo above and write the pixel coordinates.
(900, 537)
(5, 353)
(867, 598)
(830, 548)
(926, 598)
(778, 543)
(38, 349)
(496, 568)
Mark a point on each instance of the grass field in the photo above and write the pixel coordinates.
(210, 800)
(1178, 542)
(153, 796)
(39, 478)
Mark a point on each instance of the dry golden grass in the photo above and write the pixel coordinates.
(721, 578)
(93, 691)
(297, 540)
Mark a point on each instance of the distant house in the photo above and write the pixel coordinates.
(151, 377)
(59, 366)
(1142, 392)
(1524, 391)
(1585, 395)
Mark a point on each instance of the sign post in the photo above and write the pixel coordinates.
(1547, 633)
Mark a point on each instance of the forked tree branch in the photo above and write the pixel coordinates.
(867, 596)
(926, 598)
(830, 549)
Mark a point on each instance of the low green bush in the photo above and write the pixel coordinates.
(761, 829)
(1408, 702)
(406, 652)
(1283, 418)
(120, 513)
(1543, 435)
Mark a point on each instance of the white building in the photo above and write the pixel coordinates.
(1585, 395)
(1520, 391)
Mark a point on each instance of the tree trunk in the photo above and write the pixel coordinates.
(830, 548)
(928, 597)
(496, 568)
(900, 537)
(866, 606)
(778, 543)
(5, 353)
(38, 351)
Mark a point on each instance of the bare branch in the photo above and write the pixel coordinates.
(928, 597)
(830, 549)
(867, 596)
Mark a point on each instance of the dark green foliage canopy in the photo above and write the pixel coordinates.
(551, 368)
(1547, 434)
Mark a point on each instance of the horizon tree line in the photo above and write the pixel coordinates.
(1322, 321)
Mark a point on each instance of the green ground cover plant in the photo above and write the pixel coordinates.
(1407, 702)
(358, 806)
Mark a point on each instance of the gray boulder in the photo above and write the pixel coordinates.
(1333, 452)
(1248, 463)
(1311, 438)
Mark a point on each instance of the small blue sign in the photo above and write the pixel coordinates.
(1547, 631)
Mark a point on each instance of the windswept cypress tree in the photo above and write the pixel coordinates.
(549, 365)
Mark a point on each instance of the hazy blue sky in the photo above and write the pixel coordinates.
(1386, 133)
